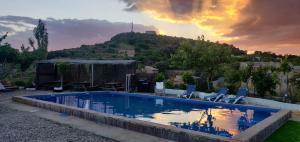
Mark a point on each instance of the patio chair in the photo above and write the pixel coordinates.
(242, 93)
(216, 97)
(6, 88)
(58, 89)
(159, 88)
(188, 93)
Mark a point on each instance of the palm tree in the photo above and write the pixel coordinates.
(286, 67)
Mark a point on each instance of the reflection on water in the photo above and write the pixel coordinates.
(200, 117)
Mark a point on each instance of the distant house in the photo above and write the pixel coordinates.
(281, 87)
(91, 72)
(257, 65)
(151, 32)
(149, 70)
(127, 52)
(296, 69)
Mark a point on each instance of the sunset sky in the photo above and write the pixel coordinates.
(266, 25)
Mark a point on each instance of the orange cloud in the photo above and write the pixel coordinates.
(214, 16)
(251, 24)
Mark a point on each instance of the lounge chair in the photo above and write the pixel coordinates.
(159, 88)
(216, 97)
(6, 88)
(58, 89)
(242, 93)
(188, 93)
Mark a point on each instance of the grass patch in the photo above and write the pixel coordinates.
(289, 132)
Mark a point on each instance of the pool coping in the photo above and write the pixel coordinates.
(257, 133)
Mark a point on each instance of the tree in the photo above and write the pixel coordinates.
(286, 68)
(295, 88)
(8, 54)
(264, 81)
(25, 58)
(205, 58)
(232, 78)
(246, 74)
(3, 37)
(31, 43)
(61, 70)
(41, 36)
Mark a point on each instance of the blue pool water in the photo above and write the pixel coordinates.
(219, 119)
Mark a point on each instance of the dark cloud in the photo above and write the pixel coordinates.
(269, 23)
(66, 33)
(182, 9)
(265, 24)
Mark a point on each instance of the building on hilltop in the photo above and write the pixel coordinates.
(151, 32)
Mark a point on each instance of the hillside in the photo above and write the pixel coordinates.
(149, 49)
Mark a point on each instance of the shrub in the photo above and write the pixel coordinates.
(160, 77)
(169, 84)
(188, 78)
(264, 82)
(19, 83)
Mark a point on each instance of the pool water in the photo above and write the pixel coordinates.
(214, 118)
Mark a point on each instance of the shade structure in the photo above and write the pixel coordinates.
(91, 72)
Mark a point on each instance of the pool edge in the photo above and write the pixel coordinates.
(154, 129)
(262, 130)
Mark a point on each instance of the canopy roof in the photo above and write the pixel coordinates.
(76, 61)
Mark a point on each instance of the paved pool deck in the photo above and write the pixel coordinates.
(25, 123)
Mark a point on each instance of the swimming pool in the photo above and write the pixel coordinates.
(223, 120)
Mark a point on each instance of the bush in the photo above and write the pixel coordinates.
(188, 78)
(169, 84)
(160, 77)
(19, 83)
(264, 82)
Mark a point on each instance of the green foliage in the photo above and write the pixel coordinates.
(20, 83)
(264, 81)
(153, 50)
(160, 77)
(169, 84)
(61, 71)
(61, 68)
(8, 54)
(295, 88)
(205, 58)
(285, 66)
(162, 66)
(41, 36)
(188, 78)
(246, 73)
(3, 37)
(232, 78)
(26, 58)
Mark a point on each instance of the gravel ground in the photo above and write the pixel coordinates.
(16, 126)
